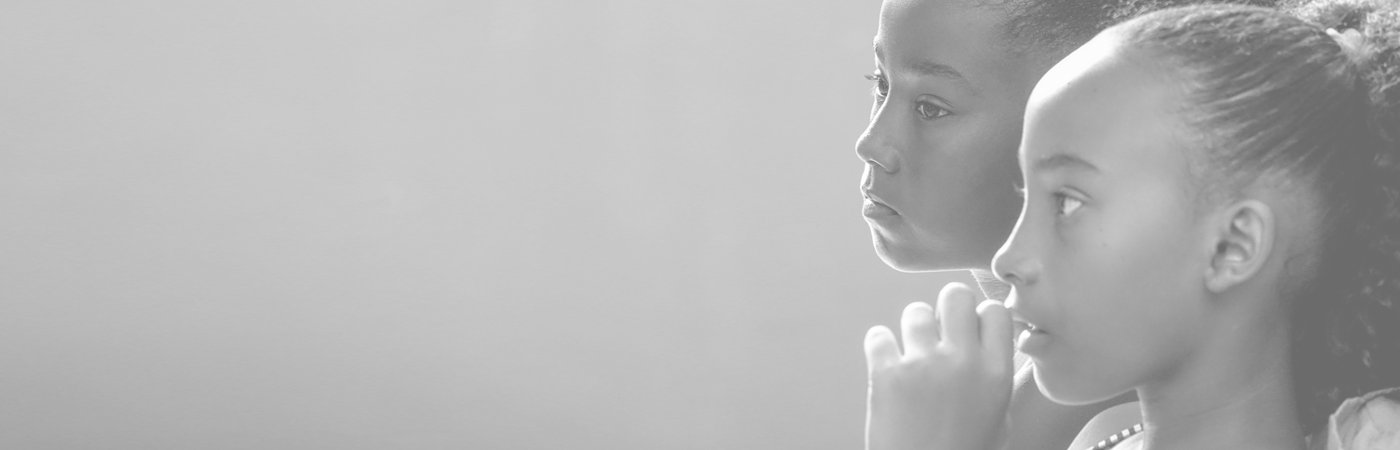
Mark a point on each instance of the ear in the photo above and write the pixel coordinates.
(1242, 243)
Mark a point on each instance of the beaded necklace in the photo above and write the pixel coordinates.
(1116, 438)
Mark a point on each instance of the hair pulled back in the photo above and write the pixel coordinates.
(1273, 94)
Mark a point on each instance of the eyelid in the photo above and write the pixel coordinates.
(943, 112)
(1071, 192)
(1062, 195)
(934, 101)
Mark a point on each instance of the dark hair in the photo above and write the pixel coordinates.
(1277, 96)
(1053, 28)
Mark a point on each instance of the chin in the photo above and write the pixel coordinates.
(1072, 390)
(905, 255)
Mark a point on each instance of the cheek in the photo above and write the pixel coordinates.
(1135, 276)
(974, 144)
(1154, 253)
(967, 164)
(1141, 242)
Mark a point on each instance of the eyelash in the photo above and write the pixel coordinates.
(881, 90)
(1060, 199)
(919, 108)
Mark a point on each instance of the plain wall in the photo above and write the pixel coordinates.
(436, 224)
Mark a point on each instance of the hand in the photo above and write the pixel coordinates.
(950, 388)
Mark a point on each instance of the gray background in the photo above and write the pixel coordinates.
(436, 224)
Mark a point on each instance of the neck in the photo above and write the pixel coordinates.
(1236, 393)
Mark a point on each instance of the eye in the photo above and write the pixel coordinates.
(1066, 205)
(881, 89)
(930, 111)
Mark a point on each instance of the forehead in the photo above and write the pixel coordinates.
(1101, 105)
(962, 34)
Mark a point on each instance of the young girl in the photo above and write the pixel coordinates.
(1212, 220)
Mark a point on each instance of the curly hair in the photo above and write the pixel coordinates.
(1296, 95)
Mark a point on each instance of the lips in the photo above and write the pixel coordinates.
(1031, 330)
(1032, 341)
(1031, 338)
(874, 206)
(1016, 304)
(1023, 327)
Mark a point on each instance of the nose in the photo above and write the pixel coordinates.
(876, 146)
(1015, 263)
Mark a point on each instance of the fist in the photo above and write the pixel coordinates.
(949, 387)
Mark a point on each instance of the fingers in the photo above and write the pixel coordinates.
(919, 328)
(956, 313)
(997, 333)
(881, 350)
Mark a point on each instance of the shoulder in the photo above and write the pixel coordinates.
(1107, 423)
(1368, 422)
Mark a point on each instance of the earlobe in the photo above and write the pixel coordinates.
(1242, 244)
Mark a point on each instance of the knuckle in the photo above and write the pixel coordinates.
(955, 288)
(917, 309)
(956, 358)
(923, 368)
(991, 308)
(952, 302)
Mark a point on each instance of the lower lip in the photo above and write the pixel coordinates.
(877, 209)
(1031, 342)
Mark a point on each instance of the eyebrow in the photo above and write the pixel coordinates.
(928, 68)
(1064, 161)
(933, 69)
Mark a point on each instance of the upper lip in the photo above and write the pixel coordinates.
(875, 198)
(1018, 313)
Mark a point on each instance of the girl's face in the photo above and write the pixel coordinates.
(940, 150)
(1107, 260)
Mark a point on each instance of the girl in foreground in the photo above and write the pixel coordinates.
(1232, 171)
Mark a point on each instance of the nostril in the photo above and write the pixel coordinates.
(1011, 264)
(874, 151)
(1002, 268)
(886, 166)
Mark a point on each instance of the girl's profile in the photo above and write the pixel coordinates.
(1231, 171)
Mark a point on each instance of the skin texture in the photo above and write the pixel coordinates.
(940, 153)
(940, 147)
(1104, 198)
(949, 386)
(1113, 242)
